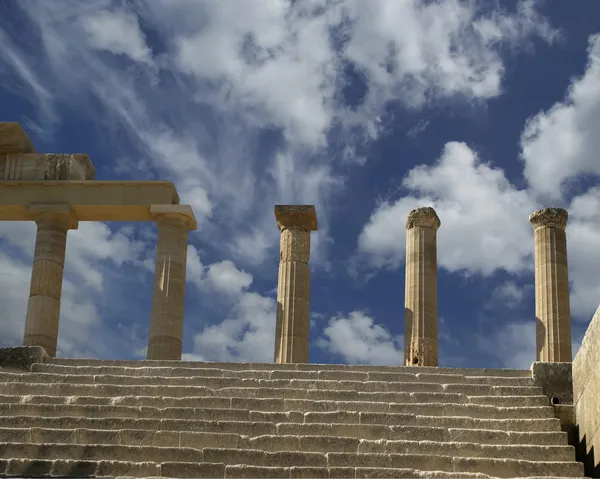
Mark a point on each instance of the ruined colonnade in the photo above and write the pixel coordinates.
(57, 191)
(553, 322)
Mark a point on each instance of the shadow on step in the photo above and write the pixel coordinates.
(590, 459)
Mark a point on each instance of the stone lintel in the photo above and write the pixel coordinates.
(63, 213)
(424, 216)
(296, 216)
(549, 218)
(183, 213)
(90, 200)
(13, 139)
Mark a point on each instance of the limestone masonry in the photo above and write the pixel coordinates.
(163, 417)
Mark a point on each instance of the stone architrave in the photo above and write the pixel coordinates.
(552, 306)
(293, 289)
(420, 305)
(166, 320)
(43, 307)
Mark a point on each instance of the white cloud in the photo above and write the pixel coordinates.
(484, 218)
(563, 143)
(225, 277)
(358, 340)
(583, 243)
(514, 344)
(117, 32)
(508, 295)
(247, 335)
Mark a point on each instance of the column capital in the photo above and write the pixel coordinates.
(296, 216)
(425, 216)
(180, 214)
(60, 214)
(549, 218)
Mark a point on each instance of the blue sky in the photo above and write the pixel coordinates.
(484, 110)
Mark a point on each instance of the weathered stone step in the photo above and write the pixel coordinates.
(293, 390)
(288, 367)
(501, 467)
(149, 470)
(335, 375)
(274, 443)
(216, 382)
(281, 404)
(396, 412)
(81, 468)
(258, 428)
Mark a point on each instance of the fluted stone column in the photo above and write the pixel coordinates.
(166, 321)
(552, 307)
(43, 307)
(293, 289)
(420, 304)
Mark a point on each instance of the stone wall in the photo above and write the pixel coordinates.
(586, 397)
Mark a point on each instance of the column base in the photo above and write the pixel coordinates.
(46, 342)
(164, 348)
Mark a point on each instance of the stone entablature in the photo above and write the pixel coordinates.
(57, 191)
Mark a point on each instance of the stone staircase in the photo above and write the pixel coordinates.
(97, 418)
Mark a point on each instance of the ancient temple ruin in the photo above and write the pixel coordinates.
(170, 418)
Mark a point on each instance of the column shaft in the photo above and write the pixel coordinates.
(552, 305)
(293, 298)
(292, 327)
(420, 308)
(43, 306)
(166, 321)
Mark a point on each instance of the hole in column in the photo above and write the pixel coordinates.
(554, 400)
(415, 360)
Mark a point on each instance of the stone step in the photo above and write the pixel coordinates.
(274, 443)
(288, 367)
(267, 389)
(217, 382)
(335, 375)
(395, 413)
(260, 428)
(281, 404)
(128, 470)
(501, 467)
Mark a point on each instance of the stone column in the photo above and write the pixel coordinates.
(43, 307)
(420, 303)
(552, 307)
(293, 289)
(166, 320)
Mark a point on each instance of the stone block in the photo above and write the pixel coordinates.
(13, 139)
(346, 459)
(73, 468)
(555, 380)
(191, 469)
(21, 357)
(303, 472)
(342, 472)
(28, 467)
(292, 458)
(245, 471)
(328, 444)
